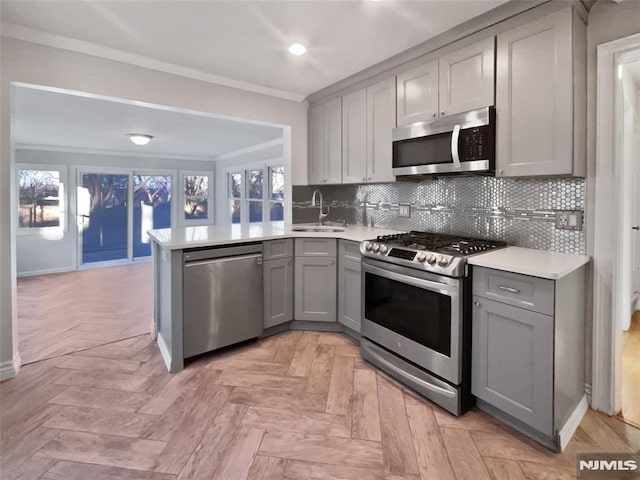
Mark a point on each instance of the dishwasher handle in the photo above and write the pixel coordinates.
(210, 261)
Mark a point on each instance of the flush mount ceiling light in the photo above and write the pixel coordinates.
(297, 49)
(139, 138)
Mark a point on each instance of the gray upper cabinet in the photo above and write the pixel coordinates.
(349, 285)
(325, 142)
(467, 78)
(368, 119)
(540, 97)
(278, 291)
(417, 91)
(354, 137)
(513, 362)
(381, 120)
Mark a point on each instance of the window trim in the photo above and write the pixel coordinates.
(210, 220)
(64, 204)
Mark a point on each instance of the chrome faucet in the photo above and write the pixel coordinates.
(314, 203)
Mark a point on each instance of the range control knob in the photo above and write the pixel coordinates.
(376, 247)
(443, 260)
(383, 249)
(431, 258)
(421, 257)
(367, 246)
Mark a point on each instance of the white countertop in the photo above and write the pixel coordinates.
(211, 235)
(527, 261)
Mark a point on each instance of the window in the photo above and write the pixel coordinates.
(254, 196)
(197, 197)
(41, 198)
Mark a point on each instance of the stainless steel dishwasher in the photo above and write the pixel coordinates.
(222, 297)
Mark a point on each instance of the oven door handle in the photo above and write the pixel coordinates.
(443, 288)
(412, 378)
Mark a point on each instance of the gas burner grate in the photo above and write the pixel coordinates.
(436, 242)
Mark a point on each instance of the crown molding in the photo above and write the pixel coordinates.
(32, 35)
(253, 148)
(114, 153)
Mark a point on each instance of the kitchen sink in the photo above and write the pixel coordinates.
(317, 229)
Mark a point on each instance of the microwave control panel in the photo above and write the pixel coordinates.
(473, 143)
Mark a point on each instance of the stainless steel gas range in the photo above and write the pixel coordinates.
(416, 304)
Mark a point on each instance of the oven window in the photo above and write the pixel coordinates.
(417, 314)
(422, 151)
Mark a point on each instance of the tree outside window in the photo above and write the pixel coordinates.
(39, 198)
(196, 197)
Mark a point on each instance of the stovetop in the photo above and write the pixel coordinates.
(436, 252)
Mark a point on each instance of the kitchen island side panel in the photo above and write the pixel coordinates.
(168, 305)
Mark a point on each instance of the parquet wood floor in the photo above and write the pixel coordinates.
(66, 312)
(631, 372)
(297, 406)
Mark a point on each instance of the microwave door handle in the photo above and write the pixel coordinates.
(455, 137)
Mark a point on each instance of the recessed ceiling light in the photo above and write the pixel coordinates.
(139, 138)
(297, 49)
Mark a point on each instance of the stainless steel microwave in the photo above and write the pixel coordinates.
(461, 143)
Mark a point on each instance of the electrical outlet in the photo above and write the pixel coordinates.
(404, 210)
(569, 219)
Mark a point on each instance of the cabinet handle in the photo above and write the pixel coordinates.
(442, 113)
(290, 262)
(330, 262)
(477, 304)
(370, 178)
(500, 172)
(364, 179)
(508, 289)
(434, 115)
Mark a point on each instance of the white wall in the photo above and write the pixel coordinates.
(36, 64)
(56, 252)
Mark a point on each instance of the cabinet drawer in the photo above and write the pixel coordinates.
(274, 249)
(349, 250)
(533, 293)
(316, 247)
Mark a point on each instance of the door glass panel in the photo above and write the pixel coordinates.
(254, 184)
(103, 212)
(277, 183)
(415, 313)
(151, 209)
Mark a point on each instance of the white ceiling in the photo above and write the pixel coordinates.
(247, 41)
(45, 118)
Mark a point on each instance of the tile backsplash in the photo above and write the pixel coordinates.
(518, 211)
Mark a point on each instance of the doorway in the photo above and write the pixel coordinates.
(617, 235)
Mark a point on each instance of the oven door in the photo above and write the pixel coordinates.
(415, 314)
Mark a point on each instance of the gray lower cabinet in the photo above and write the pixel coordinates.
(315, 288)
(528, 350)
(349, 293)
(278, 291)
(513, 361)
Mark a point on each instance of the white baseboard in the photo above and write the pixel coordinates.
(33, 273)
(10, 368)
(573, 422)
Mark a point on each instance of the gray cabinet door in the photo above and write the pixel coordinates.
(315, 289)
(278, 291)
(350, 294)
(513, 362)
(274, 249)
(467, 78)
(316, 145)
(418, 94)
(381, 120)
(332, 141)
(534, 98)
(354, 137)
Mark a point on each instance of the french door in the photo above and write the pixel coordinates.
(115, 209)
